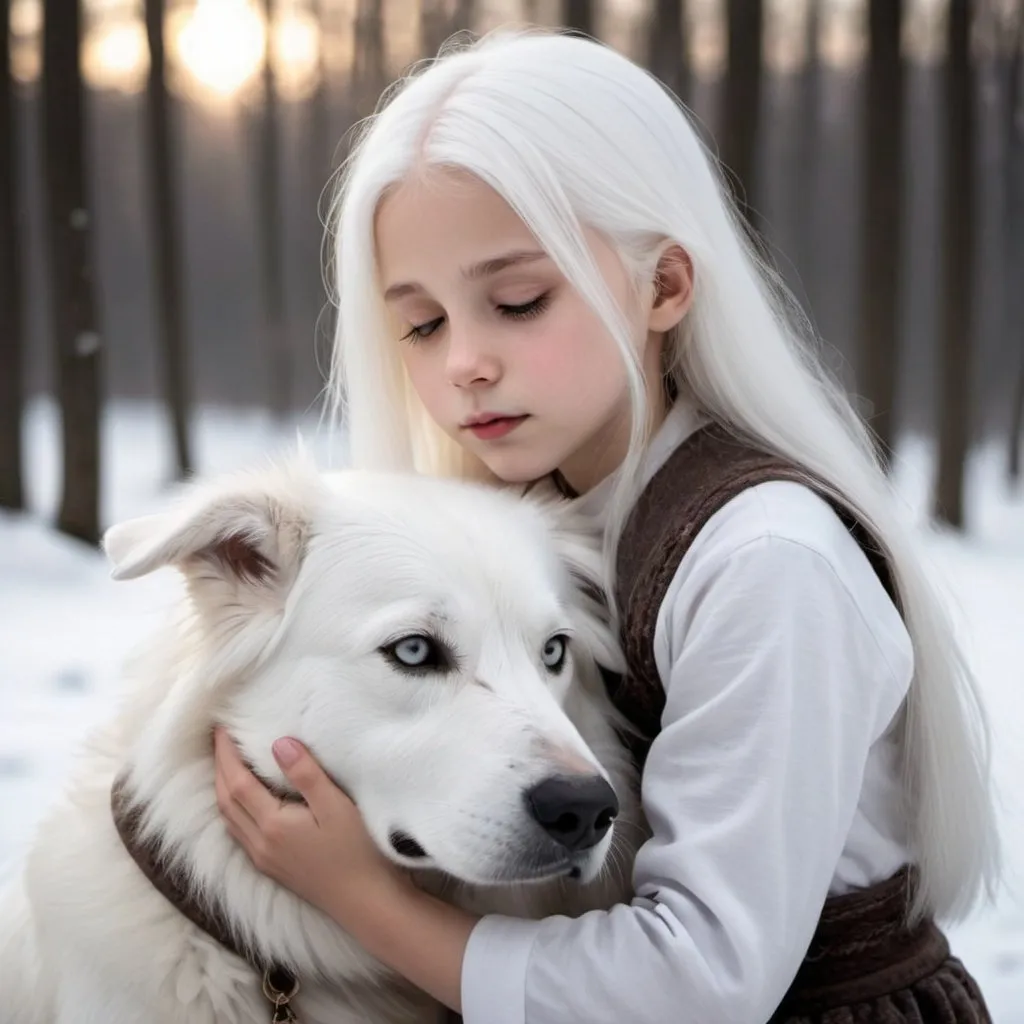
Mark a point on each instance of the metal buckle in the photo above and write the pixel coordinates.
(280, 987)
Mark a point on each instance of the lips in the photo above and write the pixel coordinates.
(489, 427)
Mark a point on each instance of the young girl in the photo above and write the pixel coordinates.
(540, 278)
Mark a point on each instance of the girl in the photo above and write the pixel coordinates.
(541, 278)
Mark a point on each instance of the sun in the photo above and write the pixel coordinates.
(221, 43)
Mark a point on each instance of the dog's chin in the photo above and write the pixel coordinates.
(579, 869)
(527, 871)
(530, 862)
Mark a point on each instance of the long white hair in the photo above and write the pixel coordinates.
(572, 134)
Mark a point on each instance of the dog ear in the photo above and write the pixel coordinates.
(248, 531)
(578, 542)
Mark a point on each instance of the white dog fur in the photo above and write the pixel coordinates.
(353, 562)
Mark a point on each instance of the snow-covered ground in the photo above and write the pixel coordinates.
(65, 628)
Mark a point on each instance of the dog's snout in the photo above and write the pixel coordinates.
(575, 811)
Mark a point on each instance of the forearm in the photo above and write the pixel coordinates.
(419, 937)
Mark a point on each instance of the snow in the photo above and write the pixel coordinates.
(66, 628)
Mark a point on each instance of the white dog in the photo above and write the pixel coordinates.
(434, 645)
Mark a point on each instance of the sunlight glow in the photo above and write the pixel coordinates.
(295, 47)
(221, 43)
(216, 47)
(116, 56)
(26, 26)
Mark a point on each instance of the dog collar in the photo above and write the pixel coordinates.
(279, 985)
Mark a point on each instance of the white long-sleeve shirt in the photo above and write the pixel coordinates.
(771, 785)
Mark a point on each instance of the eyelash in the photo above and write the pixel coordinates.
(524, 311)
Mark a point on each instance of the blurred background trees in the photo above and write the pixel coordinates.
(165, 165)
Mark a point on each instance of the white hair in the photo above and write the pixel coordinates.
(573, 135)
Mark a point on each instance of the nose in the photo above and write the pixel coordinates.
(576, 811)
(469, 363)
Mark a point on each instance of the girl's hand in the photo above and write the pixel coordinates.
(324, 854)
(321, 851)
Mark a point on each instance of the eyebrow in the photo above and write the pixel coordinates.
(485, 268)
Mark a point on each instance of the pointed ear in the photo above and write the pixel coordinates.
(247, 533)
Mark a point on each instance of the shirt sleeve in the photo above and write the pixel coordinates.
(777, 686)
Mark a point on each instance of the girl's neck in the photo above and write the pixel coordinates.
(605, 452)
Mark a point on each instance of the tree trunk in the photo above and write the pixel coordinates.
(579, 15)
(743, 101)
(1016, 428)
(805, 180)
(321, 144)
(368, 64)
(1015, 248)
(667, 53)
(76, 332)
(883, 177)
(170, 326)
(958, 269)
(465, 15)
(271, 241)
(12, 325)
(435, 23)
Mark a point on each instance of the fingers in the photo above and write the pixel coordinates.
(242, 798)
(302, 770)
(258, 838)
(239, 821)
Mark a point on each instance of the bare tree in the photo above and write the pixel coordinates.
(435, 25)
(76, 332)
(883, 177)
(12, 492)
(806, 176)
(1013, 462)
(1014, 236)
(321, 165)
(369, 70)
(580, 16)
(464, 16)
(271, 232)
(738, 143)
(170, 325)
(320, 101)
(958, 268)
(667, 53)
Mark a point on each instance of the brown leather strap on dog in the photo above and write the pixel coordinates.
(279, 985)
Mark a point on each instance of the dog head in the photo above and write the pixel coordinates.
(430, 641)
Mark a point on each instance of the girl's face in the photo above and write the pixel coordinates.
(505, 355)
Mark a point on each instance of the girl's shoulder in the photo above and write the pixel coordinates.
(716, 497)
(781, 543)
(785, 511)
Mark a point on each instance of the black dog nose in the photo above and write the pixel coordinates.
(575, 812)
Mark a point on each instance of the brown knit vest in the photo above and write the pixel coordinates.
(866, 964)
(705, 472)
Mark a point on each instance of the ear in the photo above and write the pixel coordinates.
(246, 533)
(578, 544)
(673, 290)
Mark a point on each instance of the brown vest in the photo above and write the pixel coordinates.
(706, 471)
(865, 962)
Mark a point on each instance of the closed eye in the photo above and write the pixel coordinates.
(424, 330)
(521, 311)
(526, 310)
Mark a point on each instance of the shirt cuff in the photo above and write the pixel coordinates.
(494, 970)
